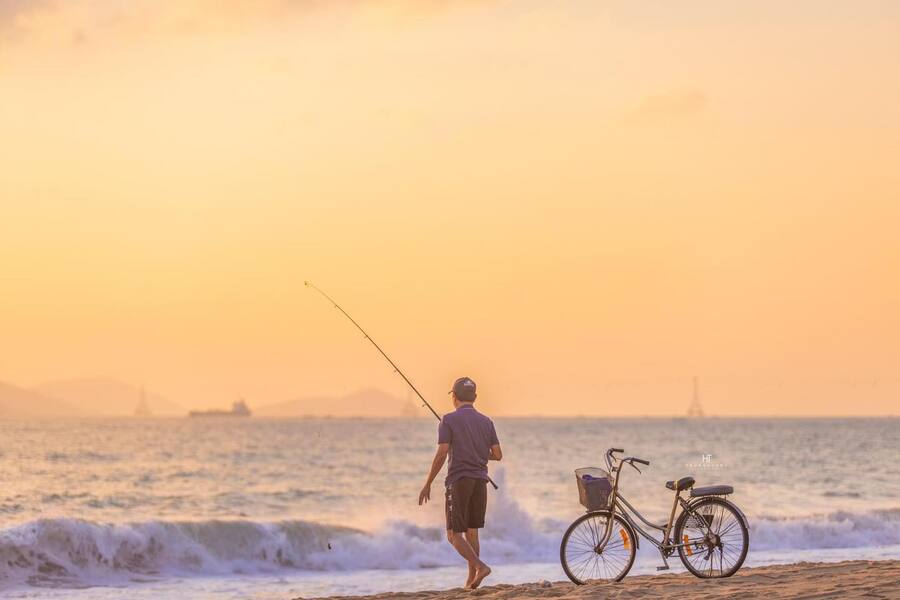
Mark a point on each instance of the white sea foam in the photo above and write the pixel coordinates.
(63, 552)
(839, 529)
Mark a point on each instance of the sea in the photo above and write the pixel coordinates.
(235, 508)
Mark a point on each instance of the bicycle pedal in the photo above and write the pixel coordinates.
(663, 568)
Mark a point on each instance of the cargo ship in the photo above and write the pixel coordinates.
(238, 409)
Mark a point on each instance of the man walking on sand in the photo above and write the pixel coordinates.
(471, 441)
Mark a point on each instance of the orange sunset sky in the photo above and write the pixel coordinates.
(579, 204)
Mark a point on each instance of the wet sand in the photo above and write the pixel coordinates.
(849, 579)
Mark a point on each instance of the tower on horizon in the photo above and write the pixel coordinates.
(695, 410)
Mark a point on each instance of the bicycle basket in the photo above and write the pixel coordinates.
(594, 488)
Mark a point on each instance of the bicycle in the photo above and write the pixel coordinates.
(601, 544)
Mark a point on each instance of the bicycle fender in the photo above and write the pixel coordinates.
(736, 508)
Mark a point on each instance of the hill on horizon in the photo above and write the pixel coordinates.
(20, 403)
(107, 397)
(369, 402)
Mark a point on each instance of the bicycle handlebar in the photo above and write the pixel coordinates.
(609, 458)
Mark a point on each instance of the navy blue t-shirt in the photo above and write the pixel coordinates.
(470, 435)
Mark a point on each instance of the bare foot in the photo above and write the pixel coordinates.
(470, 578)
(480, 573)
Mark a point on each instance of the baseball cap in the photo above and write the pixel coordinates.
(464, 388)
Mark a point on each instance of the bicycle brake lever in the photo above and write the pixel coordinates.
(634, 467)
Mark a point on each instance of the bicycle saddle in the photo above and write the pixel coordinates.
(712, 490)
(682, 484)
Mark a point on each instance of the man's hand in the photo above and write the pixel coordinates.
(439, 457)
(425, 494)
(496, 452)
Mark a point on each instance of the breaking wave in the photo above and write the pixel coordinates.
(65, 552)
(69, 552)
(841, 529)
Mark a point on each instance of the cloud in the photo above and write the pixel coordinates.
(672, 105)
(59, 21)
(10, 8)
(56, 20)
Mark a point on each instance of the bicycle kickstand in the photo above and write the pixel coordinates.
(665, 566)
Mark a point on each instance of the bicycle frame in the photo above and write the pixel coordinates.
(667, 545)
(620, 506)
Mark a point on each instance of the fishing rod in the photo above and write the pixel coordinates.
(397, 370)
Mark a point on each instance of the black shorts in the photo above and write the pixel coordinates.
(466, 504)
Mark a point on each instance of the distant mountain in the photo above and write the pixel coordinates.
(19, 403)
(364, 403)
(108, 397)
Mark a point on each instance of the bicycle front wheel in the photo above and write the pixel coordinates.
(714, 538)
(581, 556)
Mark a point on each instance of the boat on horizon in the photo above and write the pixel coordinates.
(238, 409)
(142, 409)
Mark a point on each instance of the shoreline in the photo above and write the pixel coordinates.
(846, 579)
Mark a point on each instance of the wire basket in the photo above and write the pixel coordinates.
(594, 488)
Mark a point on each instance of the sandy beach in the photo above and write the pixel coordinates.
(849, 579)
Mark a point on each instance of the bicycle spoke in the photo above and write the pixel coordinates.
(583, 538)
(585, 566)
(595, 530)
(731, 526)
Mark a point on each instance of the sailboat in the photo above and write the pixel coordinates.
(142, 409)
(409, 409)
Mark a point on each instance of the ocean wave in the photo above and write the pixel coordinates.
(70, 552)
(75, 551)
(841, 529)
(63, 552)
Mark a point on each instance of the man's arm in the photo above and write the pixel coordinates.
(496, 452)
(436, 465)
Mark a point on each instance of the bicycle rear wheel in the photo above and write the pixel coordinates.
(715, 536)
(581, 558)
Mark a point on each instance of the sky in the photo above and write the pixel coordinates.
(581, 205)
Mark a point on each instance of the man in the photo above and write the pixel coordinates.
(471, 441)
